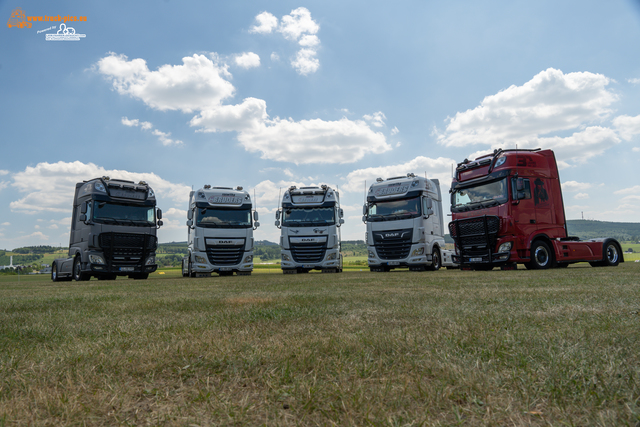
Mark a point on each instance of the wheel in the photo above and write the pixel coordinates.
(611, 255)
(190, 271)
(54, 272)
(541, 256)
(435, 261)
(78, 274)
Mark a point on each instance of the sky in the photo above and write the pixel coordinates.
(266, 95)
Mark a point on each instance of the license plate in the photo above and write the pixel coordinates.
(126, 268)
(225, 269)
(393, 263)
(475, 259)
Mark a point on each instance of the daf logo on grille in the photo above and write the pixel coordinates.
(308, 240)
(391, 234)
(222, 242)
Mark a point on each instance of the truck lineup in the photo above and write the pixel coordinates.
(506, 207)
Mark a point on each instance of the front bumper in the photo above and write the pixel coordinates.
(331, 260)
(200, 264)
(416, 258)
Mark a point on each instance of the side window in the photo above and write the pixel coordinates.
(89, 206)
(522, 194)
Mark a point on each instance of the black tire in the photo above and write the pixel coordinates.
(78, 274)
(611, 254)
(54, 272)
(436, 262)
(185, 271)
(541, 256)
(190, 272)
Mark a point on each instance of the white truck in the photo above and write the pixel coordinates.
(405, 225)
(221, 221)
(310, 230)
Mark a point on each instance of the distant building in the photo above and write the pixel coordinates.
(2, 267)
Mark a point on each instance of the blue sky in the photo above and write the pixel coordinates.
(270, 94)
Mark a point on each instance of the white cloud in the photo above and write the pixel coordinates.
(305, 62)
(298, 23)
(3, 172)
(275, 57)
(524, 115)
(6, 224)
(635, 149)
(49, 187)
(248, 115)
(174, 219)
(570, 186)
(163, 137)
(266, 23)
(247, 60)
(634, 81)
(627, 126)
(376, 119)
(439, 168)
(581, 196)
(394, 131)
(307, 140)
(299, 27)
(195, 85)
(4, 184)
(38, 234)
(313, 141)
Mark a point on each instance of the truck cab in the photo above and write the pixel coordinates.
(113, 231)
(310, 230)
(507, 209)
(220, 223)
(405, 224)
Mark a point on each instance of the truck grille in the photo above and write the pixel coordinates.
(394, 244)
(126, 249)
(225, 255)
(475, 237)
(308, 252)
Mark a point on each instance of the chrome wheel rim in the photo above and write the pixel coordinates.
(612, 253)
(541, 256)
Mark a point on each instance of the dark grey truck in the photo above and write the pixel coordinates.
(113, 232)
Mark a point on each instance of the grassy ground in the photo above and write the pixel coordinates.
(557, 347)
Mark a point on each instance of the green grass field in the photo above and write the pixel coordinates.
(555, 347)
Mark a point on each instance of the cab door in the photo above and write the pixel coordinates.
(523, 210)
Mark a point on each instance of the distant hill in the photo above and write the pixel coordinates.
(589, 229)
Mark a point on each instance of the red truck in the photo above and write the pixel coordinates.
(507, 209)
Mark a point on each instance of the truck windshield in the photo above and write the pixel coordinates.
(223, 218)
(394, 209)
(116, 213)
(480, 196)
(308, 217)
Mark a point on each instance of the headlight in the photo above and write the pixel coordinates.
(96, 259)
(372, 254)
(331, 256)
(248, 258)
(201, 260)
(505, 247)
(285, 257)
(150, 261)
(417, 252)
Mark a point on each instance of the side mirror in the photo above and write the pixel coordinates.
(189, 214)
(160, 223)
(520, 185)
(278, 214)
(189, 223)
(83, 208)
(341, 221)
(160, 214)
(277, 223)
(256, 224)
(255, 215)
(341, 213)
(364, 218)
(364, 209)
